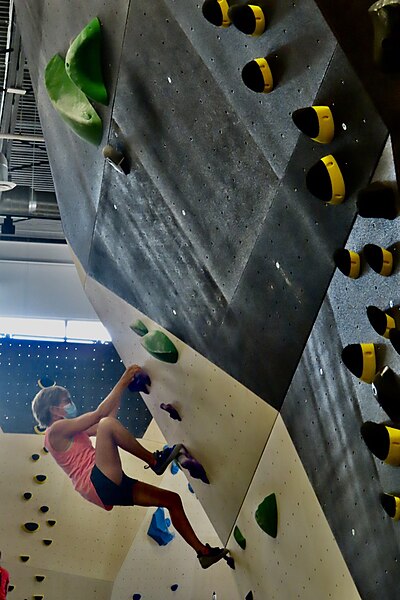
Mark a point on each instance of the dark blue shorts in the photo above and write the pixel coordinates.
(109, 492)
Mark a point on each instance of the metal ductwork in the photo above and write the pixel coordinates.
(22, 201)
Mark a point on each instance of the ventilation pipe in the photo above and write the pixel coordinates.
(22, 201)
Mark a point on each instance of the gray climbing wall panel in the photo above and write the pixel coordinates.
(333, 404)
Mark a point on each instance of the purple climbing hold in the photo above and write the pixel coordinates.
(196, 470)
(174, 587)
(173, 413)
(140, 382)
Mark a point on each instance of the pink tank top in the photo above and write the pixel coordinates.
(77, 462)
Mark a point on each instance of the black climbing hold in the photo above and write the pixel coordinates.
(316, 122)
(46, 381)
(249, 596)
(391, 505)
(47, 542)
(37, 597)
(216, 12)
(377, 439)
(27, 496)
(24, 558)
(11, 588)
(44, 509)
(381, 321)
(35, 457)
(51, 522)
(174, 587)
(325, 181)
(385, 16)
(377, 201)
(136, 596)
(40, 478)
(40, 578)
(44, 449)
(39, 430)
(30, 527)
(379, 259)
(386, 389)
(394, 337)
(248, 18)
(257, 76)
(360, 359)
(348, 262)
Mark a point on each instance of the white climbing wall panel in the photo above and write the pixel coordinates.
(89, 545)
(224, 425)
(150, 570)
(303, 562)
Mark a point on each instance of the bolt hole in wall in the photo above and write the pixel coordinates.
(75, 354)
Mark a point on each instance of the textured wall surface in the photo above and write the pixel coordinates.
(89, 371)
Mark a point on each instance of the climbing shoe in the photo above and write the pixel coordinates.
(215, 554)
(164, 458)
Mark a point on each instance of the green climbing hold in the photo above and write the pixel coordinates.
(30, 527)
(83, 62)
(160, 346)
(267, 515)
(237, 534)
(139, 327)
(71, 104)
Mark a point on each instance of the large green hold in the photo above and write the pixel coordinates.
(83, 62)
(160, 346)
(71, 104)
(267, 515)
(241, 540)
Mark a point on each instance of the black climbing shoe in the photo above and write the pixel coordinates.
(215, 554)
(164, 458)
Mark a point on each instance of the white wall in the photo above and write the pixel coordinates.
(40, 281)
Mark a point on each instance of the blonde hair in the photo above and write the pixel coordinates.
(44, 400)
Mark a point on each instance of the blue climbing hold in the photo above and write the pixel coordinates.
(158, 529)
(174, 467)
(174, 587)
(140, 382)
(191, 490)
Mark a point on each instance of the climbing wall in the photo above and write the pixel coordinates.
(223, 425)
(88, 545)
(214, 222)
(333, 405)
(144, 570)
(214, 236)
